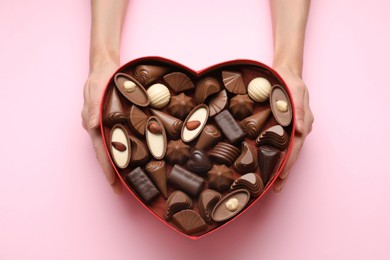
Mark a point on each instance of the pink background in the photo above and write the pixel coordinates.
(56, 204)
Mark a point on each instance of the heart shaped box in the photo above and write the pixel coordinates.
(250, 69)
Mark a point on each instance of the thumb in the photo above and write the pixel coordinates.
(93, 115)
(300, 115)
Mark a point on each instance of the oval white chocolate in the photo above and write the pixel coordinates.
(199, 113)
(157, 143)
(259, 89)
(159, 95)
(120, 158)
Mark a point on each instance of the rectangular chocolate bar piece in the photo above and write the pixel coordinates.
(143, 186)
(185, 180)
(229, 126)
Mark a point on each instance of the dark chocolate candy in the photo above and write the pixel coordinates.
(189, 221)
(246, 161)
(217, 102)
(147, 74)
(229, 126)
(180, 105)
(209, 137)
(178, 82)
(224, 153)
(251, 182)
(113, 112)
(252, 125)
(131, 89)
(137, 119)
(185, 180)
(172, 124)
(220, 177)
(233, 82)
(268, 159)
(205, 88)
(177, 152)
(206, 202)
(157, 171)
(142, 185)
(230, 205)
(176, 202)
(198, 162)
(241, 106)
(280, 105)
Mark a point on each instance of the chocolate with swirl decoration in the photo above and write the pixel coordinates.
(172, 124)
(157, 171)
(251, 182)
(252, 125)
(247, 161)
(208, 138)
(113, 114)
(147, 74)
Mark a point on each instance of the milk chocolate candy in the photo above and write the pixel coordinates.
(113, 113)
(139, 151)
(156, 140)
(185, 180)
(220, 177)
(268, 159)
(246, 161)
(281, 105)
(198, 162)
(137, 119)
(176, 202)
(177, 152)
(253, 125)
(251, 182)
(229, 126)
(205, 88)
(217, 102)
(233, 82)
(172, 124)
(179, 82)
(200, 114)
(147, 74)
(157, 171)
(189, 221)
(208, 138)
(180, 106)
(142, 185)
(241, 106)
(131, 89)
(230, 205)
(274, 136)
(120, 146)
(224, 153)
(206, 202)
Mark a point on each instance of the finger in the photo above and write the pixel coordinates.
(295, 150)
(117, 186)
(278, 184)
(299, 112)
(94, 107)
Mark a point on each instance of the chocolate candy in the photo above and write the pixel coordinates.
(147, 74)
(217, 102)
(205, 88)
(281, 105)
(200, 113)
(178, 82)
(172, 124)
(198, 162)
(131, 89)
(186, 180)
(180, 105)
(177, 152)
(224, 153)
(137, 119)
(246, 161)
(233, 82)
(143, 186)
(159, 95)
(157, 171)
(252, 125)
(176, 202)
(207, 200)
(251, 182)
(113, 114)
(189, 221)
(275, 136)
(156, 137)
(241, 106)
(268, 159)
(259, 89)
(209, 137)
(229, 127)
(230, 205)
(120, 146)
(139, 151)
(220, 177)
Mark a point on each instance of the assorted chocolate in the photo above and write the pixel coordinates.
(197, 150)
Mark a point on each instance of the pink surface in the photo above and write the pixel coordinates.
(55, 202)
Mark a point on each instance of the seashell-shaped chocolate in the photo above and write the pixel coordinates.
(131, 89)
(198, 162)
(189, 221)
(208, 138)
(142, 185)
(224, 153)
(268, 159)
(139, 151)
(223, 210)
(180, 105)
(177, 152)
(172, 124)
(251, 182)
(120, 146)
(281, 105)
(113, 112)
(157, 171)
(176, 202)
(252, 125)
(274, 136)
(179, 82)
(147, 74)
(199, 113)
(159, 95)
(157, 142)
(205, 88)
(217, 102)
(246, 161)
(259, 89)
(137, 119)
(206, 202)
(241, 106)
(233, 82)
(220, 177)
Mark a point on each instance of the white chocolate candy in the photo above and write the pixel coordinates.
(120, 157)
(200, 114)
(232, 204)
(156, 142)
(159, 95)
(129, 86)
(259, 89)
(282, 105)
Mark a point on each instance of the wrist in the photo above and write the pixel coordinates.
(100, 57)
